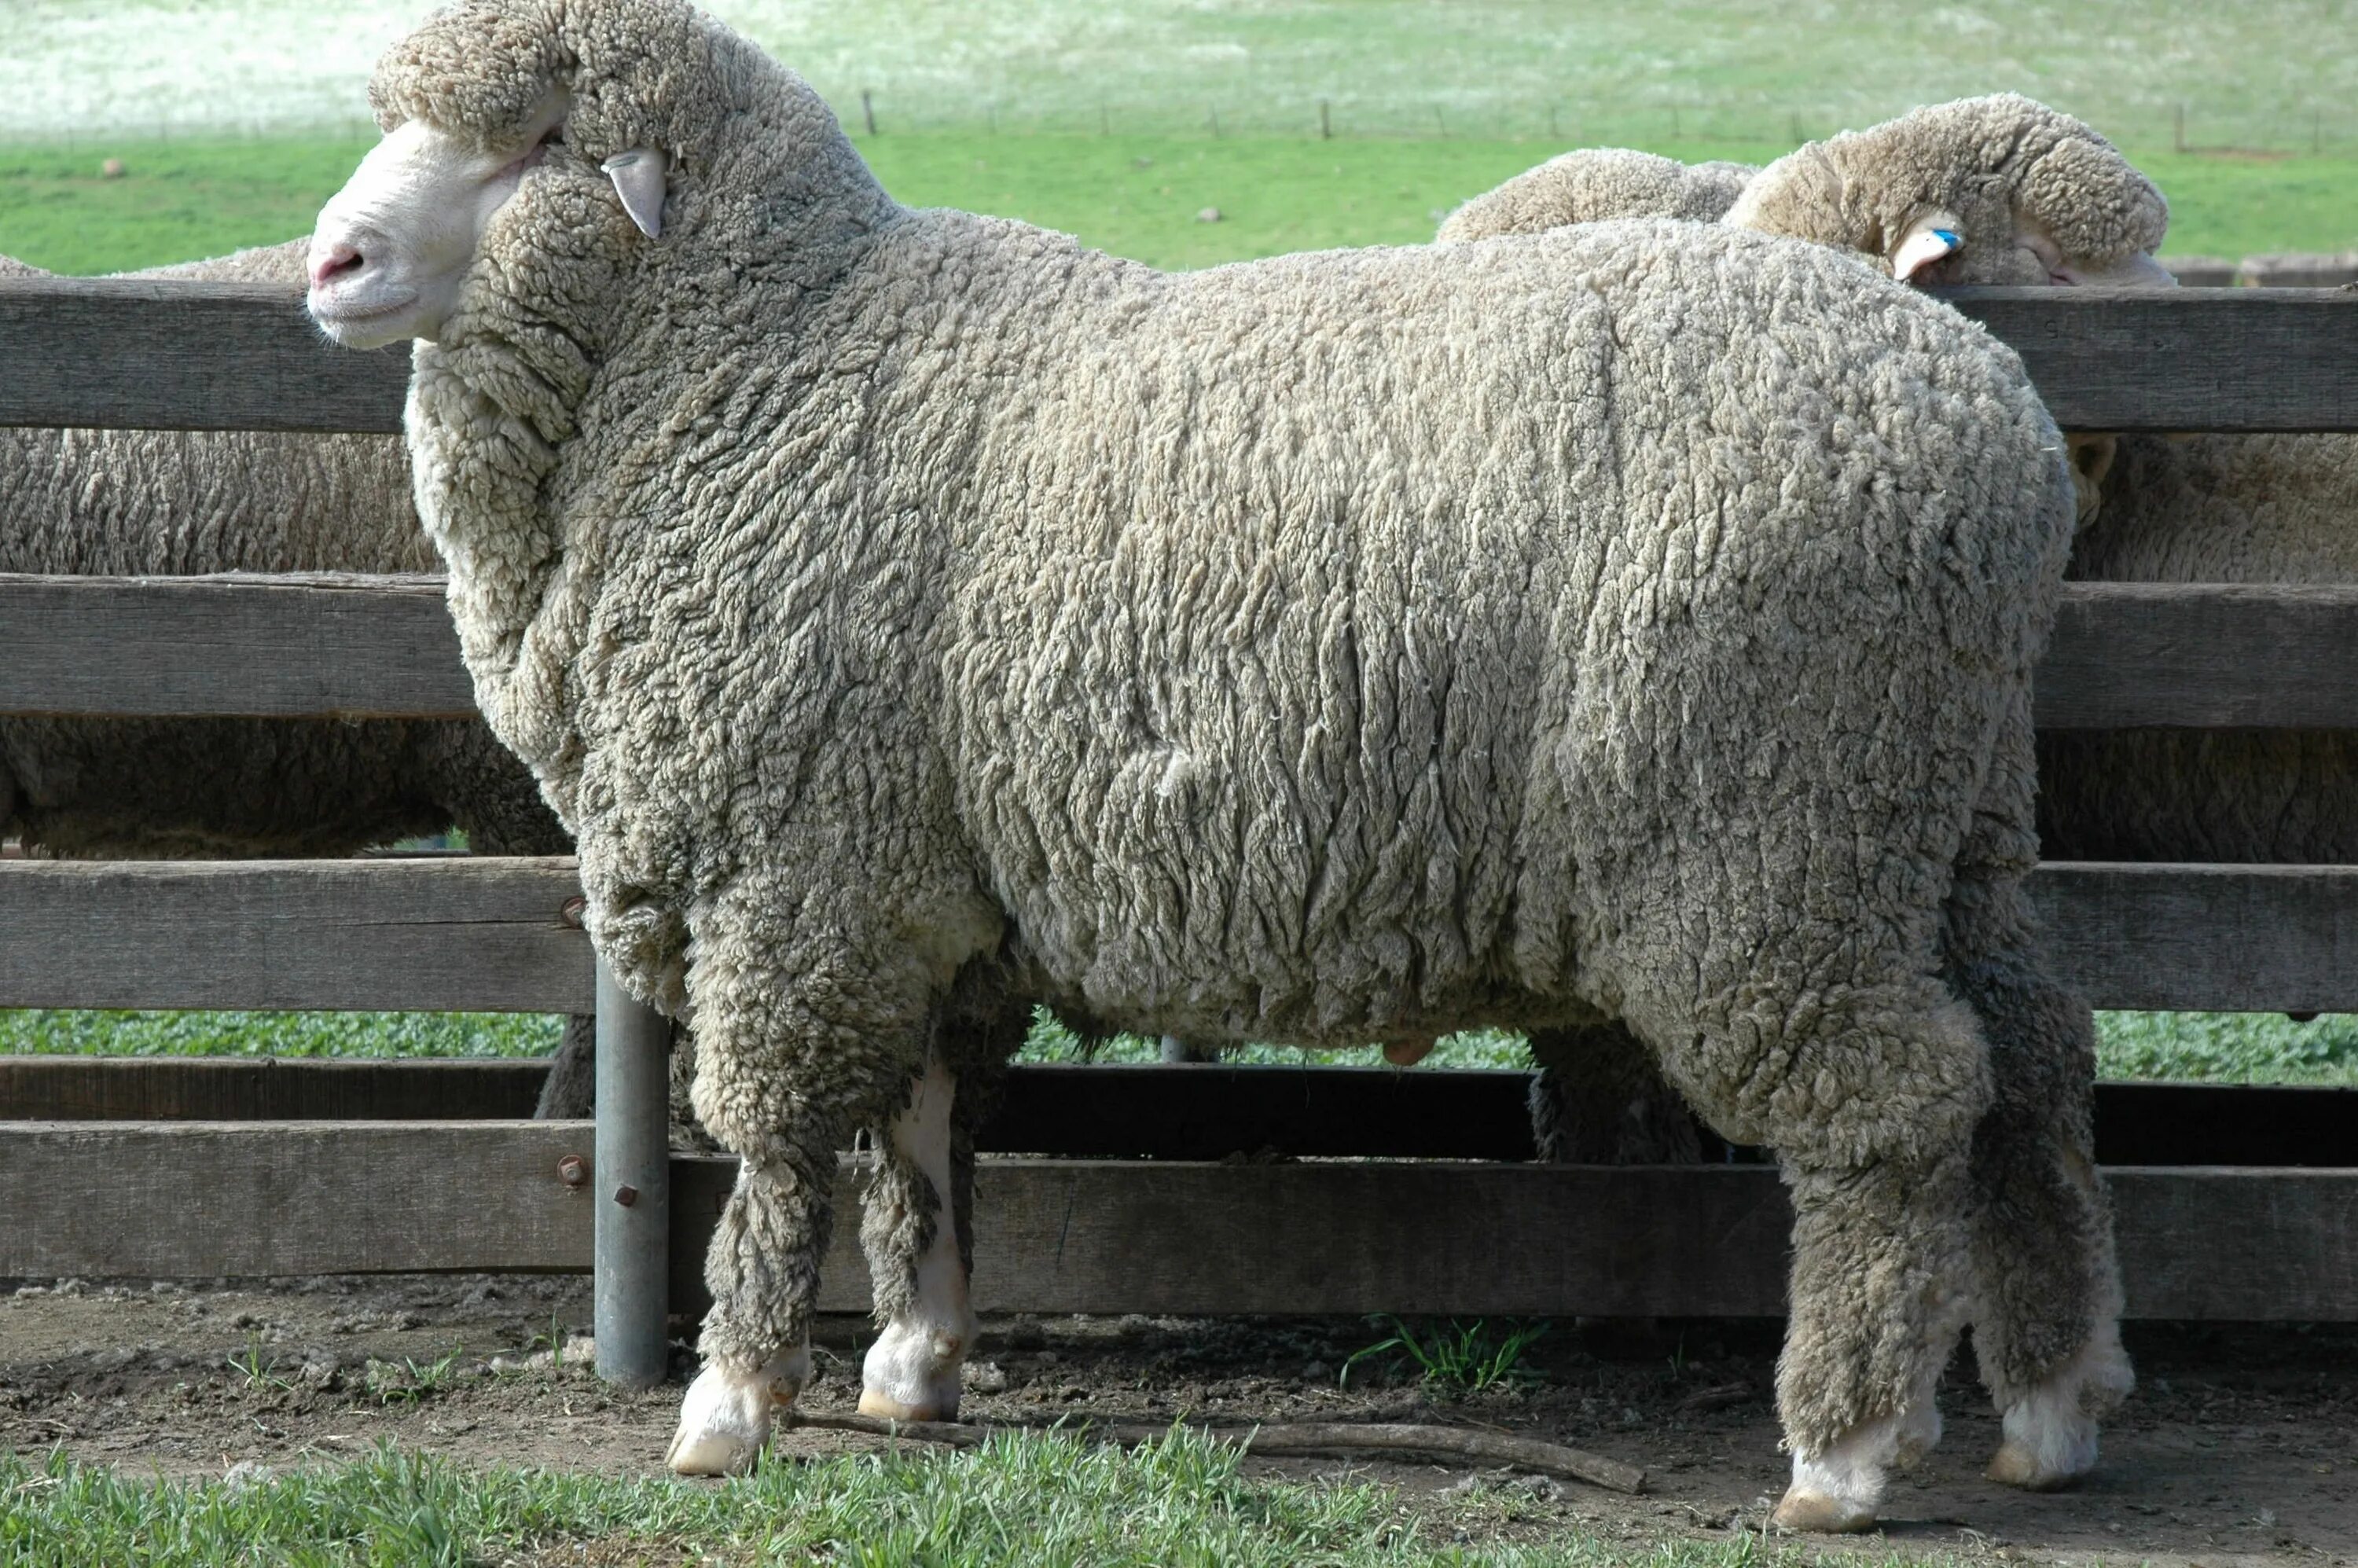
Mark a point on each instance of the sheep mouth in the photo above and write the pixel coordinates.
(342, 319)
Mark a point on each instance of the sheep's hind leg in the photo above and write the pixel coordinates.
(1869, 1093)
(2046, 1285)
(911, 1232)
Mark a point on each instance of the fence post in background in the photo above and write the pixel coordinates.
(1214, 110)
(2179, 133)
(868, 110)
(632, 1186)
(1325, 125)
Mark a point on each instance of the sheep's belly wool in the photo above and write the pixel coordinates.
(1336, 646)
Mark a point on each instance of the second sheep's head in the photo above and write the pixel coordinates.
(2001, 190)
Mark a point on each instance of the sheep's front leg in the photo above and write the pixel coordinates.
(762, 1270)
(794, 1048)
(910, 1234)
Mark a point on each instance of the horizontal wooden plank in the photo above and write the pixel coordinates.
(2219, 655)
(2196, 937)
(488, 934)
(445, 935)
(204, 1199)
(109, 352)
(231, 356)
(194, 1199)
(235, 645)
(268, 1088)
(2123, 653)
(2183, 359)
(1123, 1111)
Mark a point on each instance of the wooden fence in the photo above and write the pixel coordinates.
(1108, 1189)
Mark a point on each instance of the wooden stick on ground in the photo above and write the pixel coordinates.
(1303, 1438)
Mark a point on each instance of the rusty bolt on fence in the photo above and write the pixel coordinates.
(626, 1194)
(573, 1169)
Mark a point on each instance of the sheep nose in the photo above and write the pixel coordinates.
(332, 262)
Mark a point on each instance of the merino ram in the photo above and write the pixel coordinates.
(913, 613)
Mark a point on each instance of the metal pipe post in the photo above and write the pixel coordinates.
(631, 1181)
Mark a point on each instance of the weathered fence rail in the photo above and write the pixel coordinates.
(471, 935)
(218, 356)
(349, 646)
(1109, 1189)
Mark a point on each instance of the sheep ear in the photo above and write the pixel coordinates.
(639, 177)
(1921, 243)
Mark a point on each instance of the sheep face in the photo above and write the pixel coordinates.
(394, 246)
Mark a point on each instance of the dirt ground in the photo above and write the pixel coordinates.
(2239, 1447)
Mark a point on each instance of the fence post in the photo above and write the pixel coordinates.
(868, 110)
(632, 1184)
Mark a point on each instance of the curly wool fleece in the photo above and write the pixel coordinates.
(1337, 647)
(1594, 185)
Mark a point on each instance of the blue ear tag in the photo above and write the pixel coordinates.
(1948, 237)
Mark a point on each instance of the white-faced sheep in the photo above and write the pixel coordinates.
(155, 502)
(914, 613)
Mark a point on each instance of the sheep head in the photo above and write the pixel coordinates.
(1991, 190)
(556, 146)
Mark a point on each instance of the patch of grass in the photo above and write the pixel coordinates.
(407, 1381)
(256, 1370)
(1051, 1041)
(2228, 1047)
(175, 200)
(1455, 1357)
(1023, 1502)
(41, 1032)
(2211, 1048)
(1135, 196)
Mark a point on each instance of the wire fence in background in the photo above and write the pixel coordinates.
(878, 111)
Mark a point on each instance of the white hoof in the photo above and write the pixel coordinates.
(2049, 1435)
(1836, 1491)
(725, 1419)
(911, 1373)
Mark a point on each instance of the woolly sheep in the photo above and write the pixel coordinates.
(155, 502)
(1592, 185)
(913, 613)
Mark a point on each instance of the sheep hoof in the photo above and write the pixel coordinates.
(2016, 1465)
(1817, 1513)
(724, 1423)
(2049, 1438)
(885, 1407)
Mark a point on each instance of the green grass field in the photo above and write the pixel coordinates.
(1044, 1502)
(1136, 196)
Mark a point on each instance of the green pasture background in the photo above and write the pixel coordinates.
(1141, 196)
(1191, 135)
